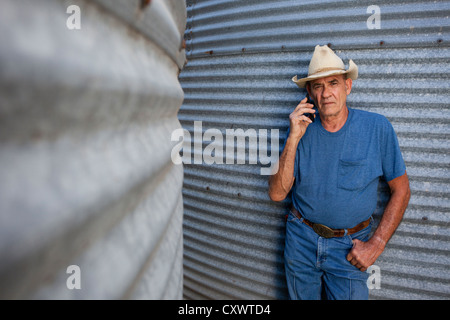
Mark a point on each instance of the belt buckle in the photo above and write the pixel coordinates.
(323, 231)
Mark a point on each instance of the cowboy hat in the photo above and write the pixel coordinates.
(325, 63)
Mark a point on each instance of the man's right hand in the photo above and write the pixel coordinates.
(298, 121)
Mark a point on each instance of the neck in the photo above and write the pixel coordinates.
(334, 123)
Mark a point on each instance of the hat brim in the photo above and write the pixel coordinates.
(352, 73)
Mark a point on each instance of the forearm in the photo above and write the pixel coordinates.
(364, 254)
(281, 183)
(393, 214)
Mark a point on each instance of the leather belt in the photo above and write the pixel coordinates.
(327, 232)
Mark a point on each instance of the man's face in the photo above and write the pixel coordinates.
(330, 94)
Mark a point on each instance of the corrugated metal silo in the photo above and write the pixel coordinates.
(242, 55)
(90, 201)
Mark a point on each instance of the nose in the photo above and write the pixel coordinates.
(326, 93)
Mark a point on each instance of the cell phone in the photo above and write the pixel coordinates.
(310, 115)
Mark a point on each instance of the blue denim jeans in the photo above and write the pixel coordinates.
(314, 263)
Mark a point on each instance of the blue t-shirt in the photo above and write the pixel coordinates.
(337, 173)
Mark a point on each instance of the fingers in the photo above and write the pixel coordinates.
(352, 257)
(302, 102)
(298, 121)
(302, 108)
(355, 262)
(307, 106)
(301, 117)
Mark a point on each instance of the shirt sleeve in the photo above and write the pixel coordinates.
(392, 161)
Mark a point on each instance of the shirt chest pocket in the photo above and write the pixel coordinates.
(354, 174)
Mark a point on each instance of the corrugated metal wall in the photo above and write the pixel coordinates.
(86, 177)
(242, 55)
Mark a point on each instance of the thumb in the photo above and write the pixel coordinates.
(350, 254)
(356, 242)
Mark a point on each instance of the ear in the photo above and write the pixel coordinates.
(348, 85)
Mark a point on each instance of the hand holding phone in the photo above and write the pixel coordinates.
(310, 115)
(300, 118)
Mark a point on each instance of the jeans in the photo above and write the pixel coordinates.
(317, 267)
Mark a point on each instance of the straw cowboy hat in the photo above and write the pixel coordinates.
(325, 63)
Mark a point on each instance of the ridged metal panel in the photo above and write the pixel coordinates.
(86, 176)
(242, 55)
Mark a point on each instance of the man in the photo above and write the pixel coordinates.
(333, 165)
